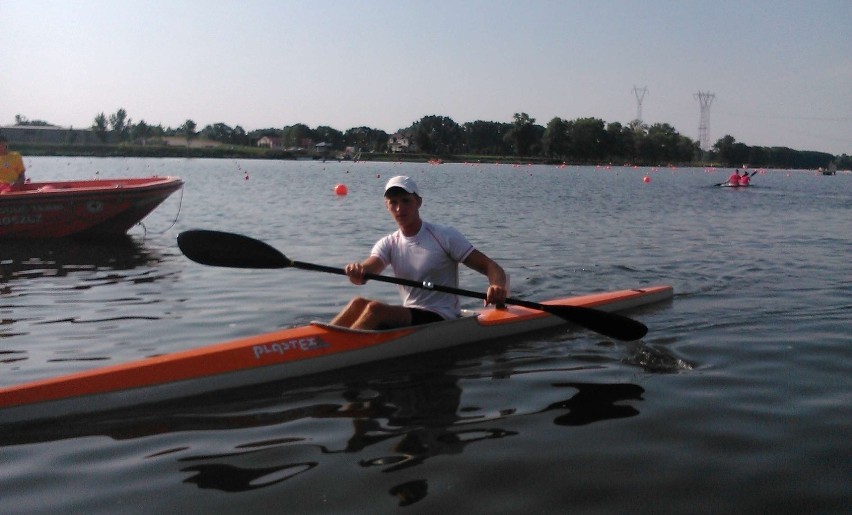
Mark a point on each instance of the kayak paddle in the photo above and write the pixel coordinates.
(216, 248)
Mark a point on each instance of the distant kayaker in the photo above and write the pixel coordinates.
(734, 179)
(744, 179)
(11, 167)
(419, 251)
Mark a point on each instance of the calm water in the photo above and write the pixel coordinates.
(738, 400)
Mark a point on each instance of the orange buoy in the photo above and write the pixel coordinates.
(341, 189)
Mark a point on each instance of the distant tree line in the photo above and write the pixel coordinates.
(728, 151)
(579, 141)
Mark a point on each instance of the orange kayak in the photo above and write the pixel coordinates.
(284, 354)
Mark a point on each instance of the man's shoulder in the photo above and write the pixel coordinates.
(448, 235)
(439, 228)
(388, 238)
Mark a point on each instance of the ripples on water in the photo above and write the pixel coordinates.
(737, 400)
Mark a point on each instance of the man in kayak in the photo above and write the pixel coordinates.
(11, 167)
(419, 251)
(734, 179)
(744, 179)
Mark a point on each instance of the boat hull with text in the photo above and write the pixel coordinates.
(99, 207)
(278, 355)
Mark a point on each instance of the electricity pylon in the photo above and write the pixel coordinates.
(704, 99)
(640, 96)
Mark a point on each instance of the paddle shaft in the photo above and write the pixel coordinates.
(216, 248)
(556, 310)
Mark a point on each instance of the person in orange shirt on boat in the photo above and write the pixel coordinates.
(418, 251)
(734, 179)
(11, 167)
(744, 179)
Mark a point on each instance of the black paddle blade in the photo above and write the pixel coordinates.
(216, 248)
(603, 322)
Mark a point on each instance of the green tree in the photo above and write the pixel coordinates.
(100, 127)
(239, 136)
(330, 136)
(120, 124)
(588, 139)
(297, 135)
(188, 131)
(619, 143)
(223, 133)
(487, 138)
(141, 131)
(638, 132)
(438, 135)
(522, 134)
(730, 152)
(556, 140)
(361, 138)
(157, 131)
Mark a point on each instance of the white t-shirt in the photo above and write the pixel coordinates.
(432, 255)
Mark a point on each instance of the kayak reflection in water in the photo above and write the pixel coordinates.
(418, 251)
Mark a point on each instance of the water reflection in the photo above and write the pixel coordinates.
(230, 478)
(45, 285)
(58, 258)
(410, 492)
(596, 402)
(419, 415)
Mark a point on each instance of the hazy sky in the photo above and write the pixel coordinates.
(781, 71)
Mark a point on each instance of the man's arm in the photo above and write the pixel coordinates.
(356, 271)
(483, 264)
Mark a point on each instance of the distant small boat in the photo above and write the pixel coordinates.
(831, 170)
(68, 208)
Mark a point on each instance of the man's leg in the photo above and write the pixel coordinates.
(378, 315)
(351, 312)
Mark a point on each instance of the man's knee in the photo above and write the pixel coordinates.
(373, 308)
(360, 303)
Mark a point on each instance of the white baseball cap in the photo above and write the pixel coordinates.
(404, 182)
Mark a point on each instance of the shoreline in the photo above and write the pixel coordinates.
(238, 152)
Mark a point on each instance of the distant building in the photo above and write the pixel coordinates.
(270, 142)
(49, 134)
(400, 142)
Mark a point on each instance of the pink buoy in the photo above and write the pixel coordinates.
(646, 179)
(341, 189)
